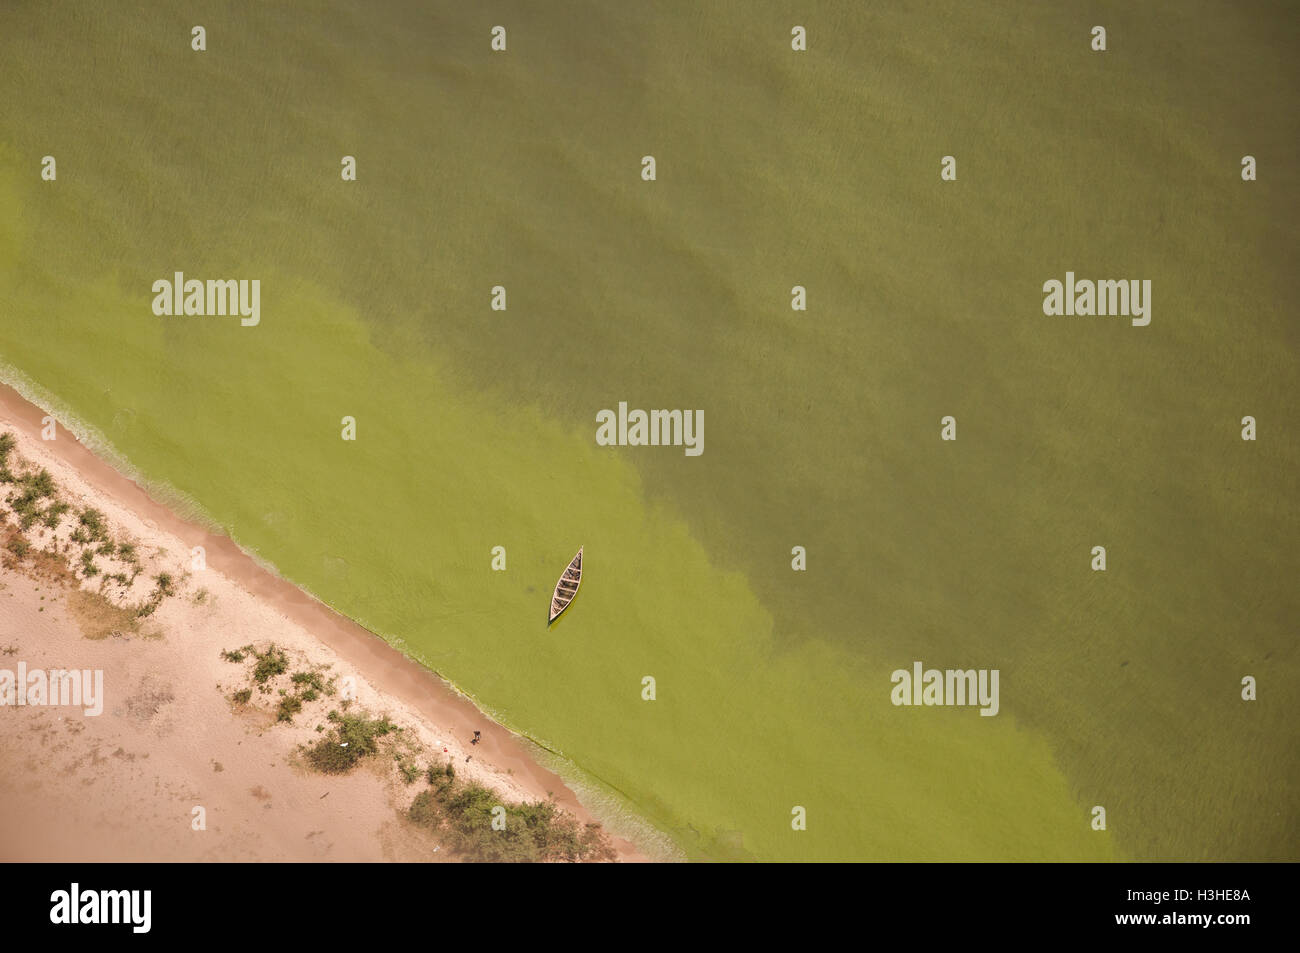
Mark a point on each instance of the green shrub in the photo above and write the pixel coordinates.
(270, 663)
(39, 484)
(290, 705)
(312, 680)
(354, 737)
(425, 810)
(161, 590)
(534, 831)
(53, 513)
(95, 524)
(441, 775)
(25, 509)
(360, 731)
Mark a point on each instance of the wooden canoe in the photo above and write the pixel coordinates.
(567, 587)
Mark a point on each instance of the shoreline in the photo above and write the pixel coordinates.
(445, 713)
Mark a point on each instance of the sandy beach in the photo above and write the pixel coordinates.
(170, 747)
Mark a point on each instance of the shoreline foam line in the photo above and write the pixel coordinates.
(398, 675)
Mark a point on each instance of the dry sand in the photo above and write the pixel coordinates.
(123, 785)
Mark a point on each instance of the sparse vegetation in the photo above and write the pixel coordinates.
(270, 663)
(34, 501)
(94, 524)
(289, 706)
(441, 774)
(40, 483)
(309, 679)
(538, 831)
(304, 686)
(354, 737)
(312, 685)
(98, 617)
(54, 513)
(34, 487)
(18, 545)
(163, 587)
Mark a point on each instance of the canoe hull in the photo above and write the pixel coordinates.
(566, 590)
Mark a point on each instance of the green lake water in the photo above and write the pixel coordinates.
(476, 428)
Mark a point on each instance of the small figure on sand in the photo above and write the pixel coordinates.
(477, 737)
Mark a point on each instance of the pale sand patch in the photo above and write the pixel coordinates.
(123, 785)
